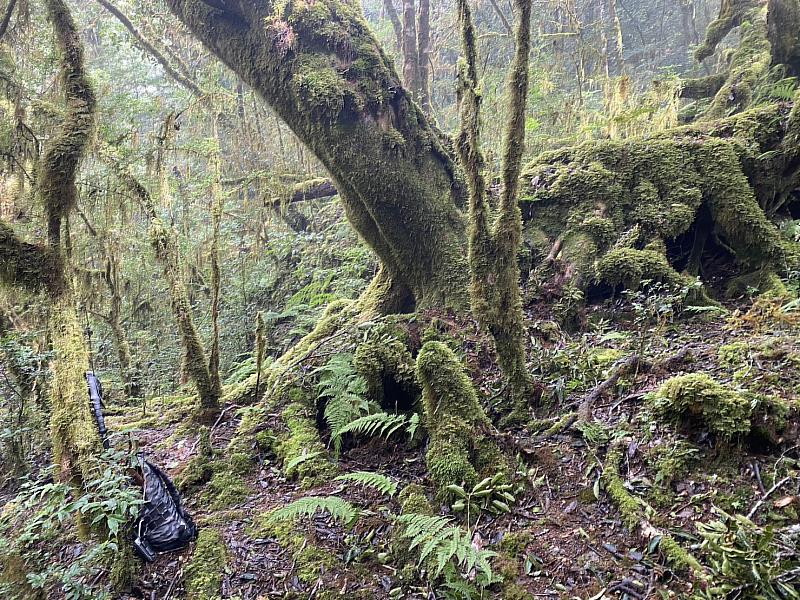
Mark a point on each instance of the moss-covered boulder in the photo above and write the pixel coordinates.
(617, 212)
(697, 398)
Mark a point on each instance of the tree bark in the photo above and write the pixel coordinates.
(391, 12)
(340, 95)
(410, 49)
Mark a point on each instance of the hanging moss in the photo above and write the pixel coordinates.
(203, 575)
(697, 398)
(62, 154)
(165, 245)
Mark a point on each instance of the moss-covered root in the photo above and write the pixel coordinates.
(459, 448)
(301, 449)
(634, 513)
(203, 574)
(76, 442)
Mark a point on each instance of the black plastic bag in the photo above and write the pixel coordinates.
(162, 525)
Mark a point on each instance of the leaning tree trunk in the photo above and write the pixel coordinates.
(339, 93)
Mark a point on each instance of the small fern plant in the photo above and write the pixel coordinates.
(445, 544)
(382, 425)
(382, 483)
(344, 392)
(340, 510)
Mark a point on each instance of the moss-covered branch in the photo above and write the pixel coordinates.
(460, 449)
(30, 266)
(148, 47)
(634, 512)
(165, 244)
(768, 39)
(57, 167)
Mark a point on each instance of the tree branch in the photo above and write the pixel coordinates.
(152, 50)
(30, 266)
(7, 17)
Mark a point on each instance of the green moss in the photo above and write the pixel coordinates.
(241, 463)
(612, 205)
(515, 543)
(412, 499)
(384, 356)
(628, 267)
(634, 512)
(760, 281)
(677, 556)
(447, 390)
(76, 443)
(699, 398)
(459, 447)
(200, 468)
(448, 455)
(225, 489)
(125, 567)
(670, 460)
(302, 440)
(605, 357)
(203, 574)
(320, 85)
(632, 509)
(733, 356)
(310, 560)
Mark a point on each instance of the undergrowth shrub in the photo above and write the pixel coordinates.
(39, 522)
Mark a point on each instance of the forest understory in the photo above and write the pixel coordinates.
(399, 299)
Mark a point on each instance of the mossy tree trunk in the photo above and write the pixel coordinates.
(43, 266)
(325, 74)
(493, 249)
(768, 38)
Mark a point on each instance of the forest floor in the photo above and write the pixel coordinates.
(574, 544)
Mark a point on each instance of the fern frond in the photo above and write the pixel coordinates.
(444, 543)
(344, 391)
(339, 510)
(375, 425)
(291, 465)
(382, 483)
